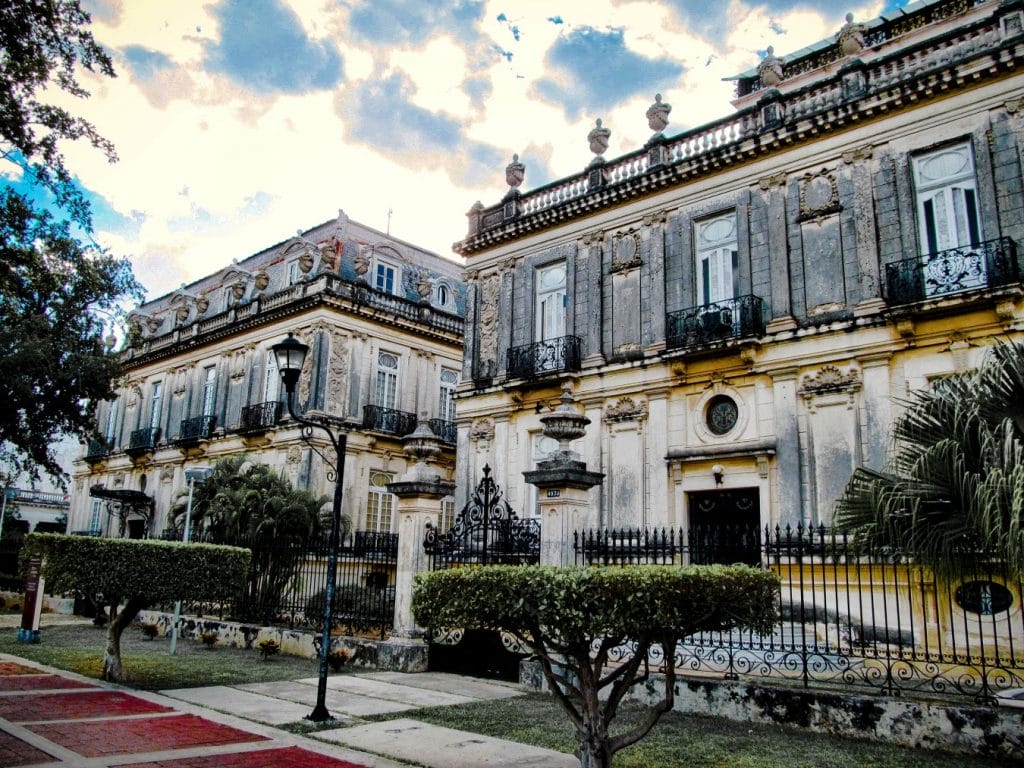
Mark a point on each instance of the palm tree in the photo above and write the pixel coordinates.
(953, 491)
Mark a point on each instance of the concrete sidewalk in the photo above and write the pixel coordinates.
(53, 718)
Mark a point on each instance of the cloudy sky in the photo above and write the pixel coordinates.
(238, 122)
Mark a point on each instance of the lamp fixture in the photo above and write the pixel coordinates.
(718, 472)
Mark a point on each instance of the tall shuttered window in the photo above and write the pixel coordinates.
(380, 504)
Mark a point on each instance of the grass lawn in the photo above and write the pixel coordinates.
(680, 741)
(148, 664)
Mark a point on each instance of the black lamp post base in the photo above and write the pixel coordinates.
(319, 714)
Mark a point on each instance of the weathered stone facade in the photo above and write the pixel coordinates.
(384, 323)
(759, 293)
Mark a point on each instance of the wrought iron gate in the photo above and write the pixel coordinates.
(486, 532)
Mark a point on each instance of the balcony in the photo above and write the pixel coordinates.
(991, 264)
(195, 429)
(388, 420)
(709, 324)
(98, 449)
(543, 358)
(260, 417)
(445, 430)
(142, 441)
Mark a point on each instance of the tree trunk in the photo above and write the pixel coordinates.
(112, 669)
(594, 753)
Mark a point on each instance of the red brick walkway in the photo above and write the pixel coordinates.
(103, 723)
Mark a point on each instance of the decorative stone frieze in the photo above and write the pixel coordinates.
(858, 154)
(830, 379)
(489, 292)
(626, 255)
(482, 429)
(775, 180)
(819, 194)
(626, 409)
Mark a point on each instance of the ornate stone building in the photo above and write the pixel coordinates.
(740, 307)
(384, 322)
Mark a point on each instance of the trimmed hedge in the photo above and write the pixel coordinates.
(161, 571)
(591, 602)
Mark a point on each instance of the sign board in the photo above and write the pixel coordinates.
(29, 631)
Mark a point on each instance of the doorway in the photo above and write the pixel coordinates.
(725, 526)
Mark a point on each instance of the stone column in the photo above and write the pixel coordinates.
(419, 493)
(564, 483)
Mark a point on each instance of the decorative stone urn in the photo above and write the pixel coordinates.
(564, 424)
(598, 140)
(515, 173)
(850, 37)
(657, 115)
(769, 71)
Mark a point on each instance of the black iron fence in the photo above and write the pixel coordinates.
(848, 616)
(287, 580)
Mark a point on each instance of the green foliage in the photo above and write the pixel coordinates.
(54, 366)
(158, 571)
(578, 604)
(243, 502)
(44, 45)
(575, 619)
(954, 487)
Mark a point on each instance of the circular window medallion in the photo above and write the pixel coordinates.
(983, 597)
(722, 414)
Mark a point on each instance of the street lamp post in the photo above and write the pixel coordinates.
(192, 476)
(290, 355)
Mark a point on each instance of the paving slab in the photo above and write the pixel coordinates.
(437, 747)
(474, 687)
(339, 703)
(247, 704)
(365, 686)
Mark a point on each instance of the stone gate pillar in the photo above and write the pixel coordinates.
(419, 493)
(563, 482)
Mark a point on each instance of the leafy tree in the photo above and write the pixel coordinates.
(131, 575)
(954, 487)
(251, 505)
(574, 619)
(54, 365)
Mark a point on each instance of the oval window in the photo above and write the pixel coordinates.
(983, 597)
(722, 414)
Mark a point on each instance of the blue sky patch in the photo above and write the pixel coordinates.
(264, 48)
(600, 72)
(384, 116)
(478, 89)
(396, 22)
(144, 63)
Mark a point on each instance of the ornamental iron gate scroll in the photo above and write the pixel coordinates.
(486, 532)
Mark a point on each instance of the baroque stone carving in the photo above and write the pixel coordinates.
(202, 304)
(626, 409)
(598, 140)
(830, 379)
(482, 429)
(769, 71)
(262, 280)
(337, 372)
(294, 455)
(515, 173)
(166, 474)
(850, 36)
(775, 180)
(858, 154)
(819, 194)
(362, 261)
(657, 115)
(489, 322)
(627, 253)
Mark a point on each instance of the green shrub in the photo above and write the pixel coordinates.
(574, 618)
(137, 573)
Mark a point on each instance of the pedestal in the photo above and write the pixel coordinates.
(564, 501)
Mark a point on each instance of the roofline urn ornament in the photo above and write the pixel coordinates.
(769, 71)
(515, 174)
(850, 36)
(598, 140)
(657, 117)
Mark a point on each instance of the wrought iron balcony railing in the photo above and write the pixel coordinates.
(260, 417)
(388, 420)
(698, 327)
(98, 449)
(969, 268)
(142, 441)
(443, 429)
(195, 429)
(542, 358)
